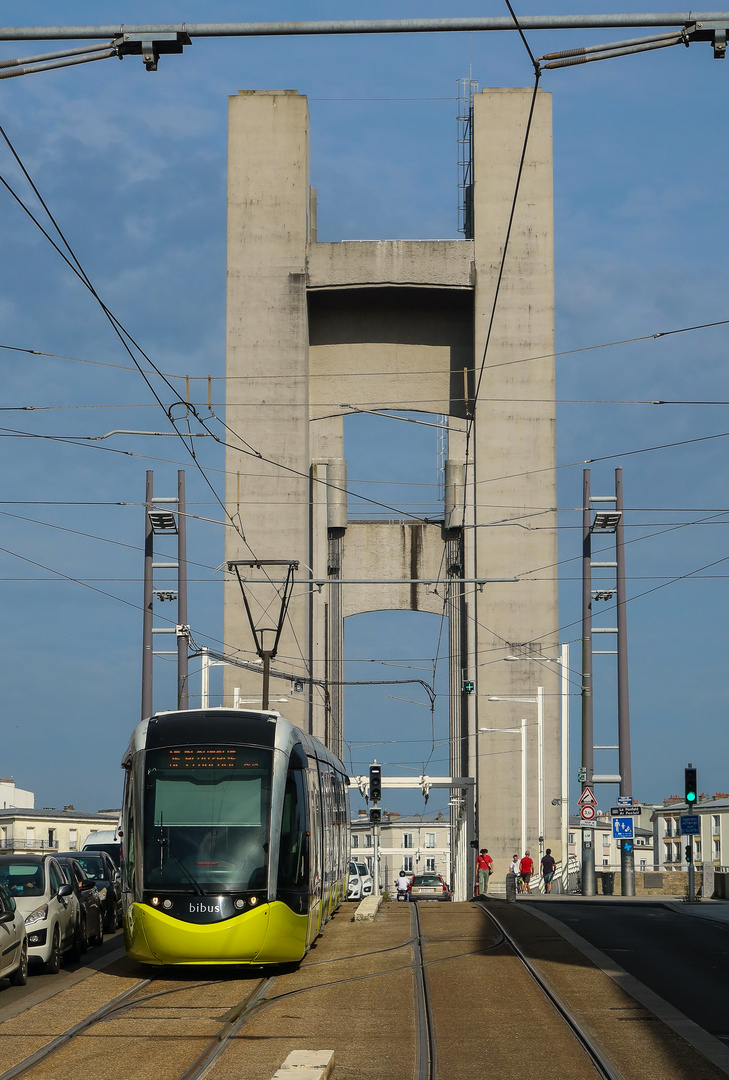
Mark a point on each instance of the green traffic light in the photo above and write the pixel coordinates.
(690, 796)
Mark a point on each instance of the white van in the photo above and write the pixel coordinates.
(105, 840)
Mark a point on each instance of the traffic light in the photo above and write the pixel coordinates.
(687, 849)
(375, 783)
(690, 776)
(375, 815)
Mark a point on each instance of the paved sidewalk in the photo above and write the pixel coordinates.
(716, 910)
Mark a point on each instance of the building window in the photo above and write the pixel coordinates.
(355, 840)
(430, 866)
(368, 840)
(697, 848)
(715, 819)
(669, 826)
(669, 852)
(606, 839)
(430, 840)
(642, 864)
(72, 840)
(717, 850)
(407, 863)
(570, 838)
(605, 862)
(407, 839)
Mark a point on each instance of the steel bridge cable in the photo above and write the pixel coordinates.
(376, 374)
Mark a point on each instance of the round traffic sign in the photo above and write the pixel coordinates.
(587, 812)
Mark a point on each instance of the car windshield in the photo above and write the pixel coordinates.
(22, 877)
(427, 879)
(363, 871)
(94, 866)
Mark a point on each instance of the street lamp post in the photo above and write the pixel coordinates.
(539, 702)
(564, 800)
(517, 731)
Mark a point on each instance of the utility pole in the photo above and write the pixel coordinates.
(627, 853)
(183, 629)
(588, 740)
(159, 522)
(148, 602)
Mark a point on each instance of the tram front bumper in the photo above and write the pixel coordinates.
(269, 934)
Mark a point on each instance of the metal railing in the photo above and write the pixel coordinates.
(13, 844)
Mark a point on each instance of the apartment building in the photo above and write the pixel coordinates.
(25, 829)
(415, 844)
(711, 846)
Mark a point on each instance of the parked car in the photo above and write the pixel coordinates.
(429, 887)
(13, 942)
(89, 901)
(354, 887)
(367, 881)
(105, 840)
(47, 903)
(100, 866)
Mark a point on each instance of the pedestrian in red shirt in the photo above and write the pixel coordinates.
(526, 869)
(485, 868)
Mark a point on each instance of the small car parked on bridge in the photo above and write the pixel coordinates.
(100, 866)
(89, 901)
(47, 903)
(13, 943)
(428, 887)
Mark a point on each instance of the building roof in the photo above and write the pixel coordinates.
(58, 815)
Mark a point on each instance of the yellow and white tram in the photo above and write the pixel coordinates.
(235, 838)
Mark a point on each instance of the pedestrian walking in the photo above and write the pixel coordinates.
(485, 868)
(548, 868)
(526, 869)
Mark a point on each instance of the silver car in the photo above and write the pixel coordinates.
(47, 903)
(13, 943)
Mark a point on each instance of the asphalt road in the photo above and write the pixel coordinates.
(684, 959)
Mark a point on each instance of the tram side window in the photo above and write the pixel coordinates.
(292, 869)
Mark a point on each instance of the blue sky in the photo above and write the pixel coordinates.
(132, 165)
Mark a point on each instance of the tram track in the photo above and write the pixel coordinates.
(231, 1022)
(603, 1067)
(425, 1058)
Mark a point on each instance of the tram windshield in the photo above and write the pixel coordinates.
(206, 814)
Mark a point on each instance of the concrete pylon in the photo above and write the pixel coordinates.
(383, 322)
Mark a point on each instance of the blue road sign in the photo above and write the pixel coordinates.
(622, 828)
(690, 825)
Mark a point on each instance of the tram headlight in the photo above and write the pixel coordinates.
(155, 901)
(253, 900)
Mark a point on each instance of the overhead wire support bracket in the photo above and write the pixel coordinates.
(266, 655)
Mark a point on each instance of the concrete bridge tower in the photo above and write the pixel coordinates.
(303, 317)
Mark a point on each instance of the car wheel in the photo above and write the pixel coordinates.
(20, 975)
(98, 937)
(53, 963)
(79, 939)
